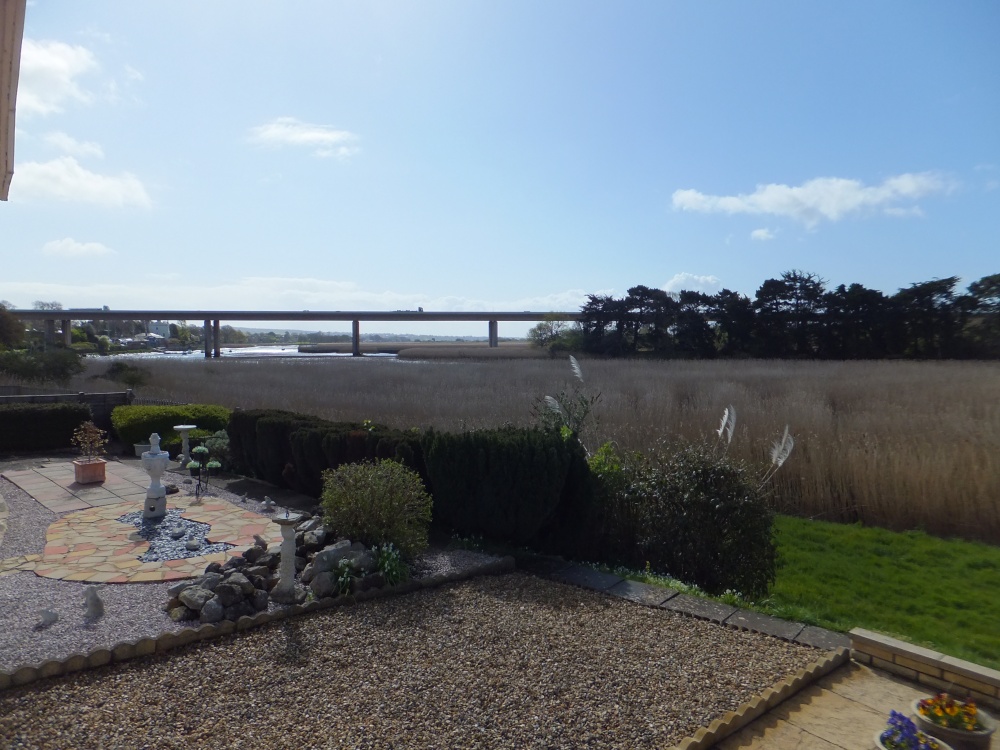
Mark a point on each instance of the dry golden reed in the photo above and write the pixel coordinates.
(897, 444)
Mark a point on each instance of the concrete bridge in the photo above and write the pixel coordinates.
(213, 318)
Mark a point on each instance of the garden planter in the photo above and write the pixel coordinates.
(942, 745)
(140, 448)
(89, 471)
(959, 739)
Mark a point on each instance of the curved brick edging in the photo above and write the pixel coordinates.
(756, 707)
(931, 668)
(170, 640)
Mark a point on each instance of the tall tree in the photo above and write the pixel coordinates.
(788, 314)
(934, 317)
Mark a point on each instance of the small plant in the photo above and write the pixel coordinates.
(389, 563)
(902, 734)
(199, 462)
(90, 440)
(568, 412)
(378, 503)
(218, 446)
(344, 577)
(945, 711)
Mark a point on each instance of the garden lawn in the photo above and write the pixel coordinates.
(943, 594)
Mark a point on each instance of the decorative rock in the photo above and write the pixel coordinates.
(228, 594)
(254, 553)
(214, 567)
(171, 489)
(324, 584)
(307, 573)
(177, 532)
(213, 611)
(361, 562)
(270, 559)
(234, 563)
(209, 581)
(314, 538)
(171, 603)
(327, 559)
(193, 544)
(48, 617)
(310, 525)
(239, 609)
(371, 581)
(300, 564)
(259, 542)
(238, 579)
(268, 505)
(93, 606)
(260, 600)
(256, 570)
(195, 597)
(177, 588)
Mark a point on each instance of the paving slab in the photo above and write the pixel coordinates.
(706, 609)
(642, 593)
(828, 640)
(588, 578)
(760, 623)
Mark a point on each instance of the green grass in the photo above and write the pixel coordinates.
(940, 593)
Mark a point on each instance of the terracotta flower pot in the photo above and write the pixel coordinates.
(959, 739)
(89, 471)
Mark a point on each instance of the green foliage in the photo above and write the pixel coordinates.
(345, 577)
(505, 484)
(377, 504)
(131, 376)
(703, 519)
(11, 330)
(173, 444)
(90, 440)
(34, 427)
(54, 365)
(390, 564)
(218, 446)
(134, 424)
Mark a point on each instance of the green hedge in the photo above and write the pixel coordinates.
(505, 484)
(35, 427)
(134, 424)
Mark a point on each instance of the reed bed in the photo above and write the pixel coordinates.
(902, 445)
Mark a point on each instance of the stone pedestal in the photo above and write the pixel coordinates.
(284, 591)
(184, 429)
(154, 461)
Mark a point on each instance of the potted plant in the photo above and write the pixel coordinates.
(90, 440)
(959, 722)
(902, 734)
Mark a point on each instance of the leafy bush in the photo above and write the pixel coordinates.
(54, 365)
(174, 444)
(218, 446)
(378, 504)
(505, 484)
(33, 427)
(131, 376)
(134, 424)
(703, 519)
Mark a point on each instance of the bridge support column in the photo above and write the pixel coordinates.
(207, 332)
(67, 332)
(494, 339)
(356, 338)
(50, 332)
(217, 338)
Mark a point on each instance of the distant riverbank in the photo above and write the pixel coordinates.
(435, 350)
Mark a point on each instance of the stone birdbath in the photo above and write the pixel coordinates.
(184, 429)
(154, 461)
(284, 591)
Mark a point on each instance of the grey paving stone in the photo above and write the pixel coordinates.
(828, 640)
(540, 565)
(643, 593)
(581, 575)
(743, 618)
(706, 609)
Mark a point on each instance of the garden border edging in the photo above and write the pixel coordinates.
(166, 641)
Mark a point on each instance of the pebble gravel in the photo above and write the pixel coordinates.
(511, 661)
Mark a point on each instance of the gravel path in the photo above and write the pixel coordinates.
(495, 662)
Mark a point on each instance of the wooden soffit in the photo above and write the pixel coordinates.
(11, 34)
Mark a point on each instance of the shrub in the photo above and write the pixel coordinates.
(218, 446)
(704, 520)
(134, 424)
(55, 365)
(131, 376)
(504, 484)
(35, 427)
(378, 504)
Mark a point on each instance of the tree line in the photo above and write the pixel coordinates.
(794, 316)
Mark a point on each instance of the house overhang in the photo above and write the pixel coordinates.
(11, 34)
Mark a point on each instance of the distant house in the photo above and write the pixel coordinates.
(160, 328)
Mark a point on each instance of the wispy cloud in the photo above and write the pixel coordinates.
(324, 140)
(70, 248)
(64, 179)
(693, 283)
(49, 76)
(762, 235)
(820, 199)
(70, 145)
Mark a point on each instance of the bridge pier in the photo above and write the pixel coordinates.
(207, 332)
(50, 332)
(218, 338)
(67, 332)
(356, 338)
(494, 338)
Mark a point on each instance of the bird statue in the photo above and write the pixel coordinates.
(93, 606)
(48, 618)
(260, 541)
(268, 505)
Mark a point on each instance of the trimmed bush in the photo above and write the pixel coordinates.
(35, 427)
(704, 520)
(134, 424)
(503, 484)
(378, 503)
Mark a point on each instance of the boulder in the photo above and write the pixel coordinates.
(270, 559)
(307, 573)
(182, 613)
(214, 567)
(309, 524)
(238, 610)
(228, 594)
(195, 597)
(209, 581)
(238, 579)
(361, 562)
(234, 563)
(314, 539)
(260, 571)
(253, 554)
(327, 558)
(259, 600)
(213, 611)
(178, 587)
(324, 584)
(370, 581)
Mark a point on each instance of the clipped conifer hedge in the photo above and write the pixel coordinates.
(35, 427)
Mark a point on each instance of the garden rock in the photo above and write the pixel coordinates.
(214, 567)
(234, 563)
(310, 524)
(361, 561)
(209, 581)
(314, 539)
(182, 613)
(307, 573)
(213, 611)
(253, 554)
(195, 597)
(261, 571)
(327, 559)
(260, 600)
(228, 594)
(240, 609)
(177, 588)
(324, 584)
(370, 581)
(240, 580)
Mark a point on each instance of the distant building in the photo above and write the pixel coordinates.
(160, 328)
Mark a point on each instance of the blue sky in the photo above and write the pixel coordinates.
(472, 155)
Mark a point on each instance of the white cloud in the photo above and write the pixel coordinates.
(49, 75)
(70, 145)
(693, 283)
(762, 235)
(64, 179)
(70, 248)
(904, 213)
(288, 131)
(823, 198)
